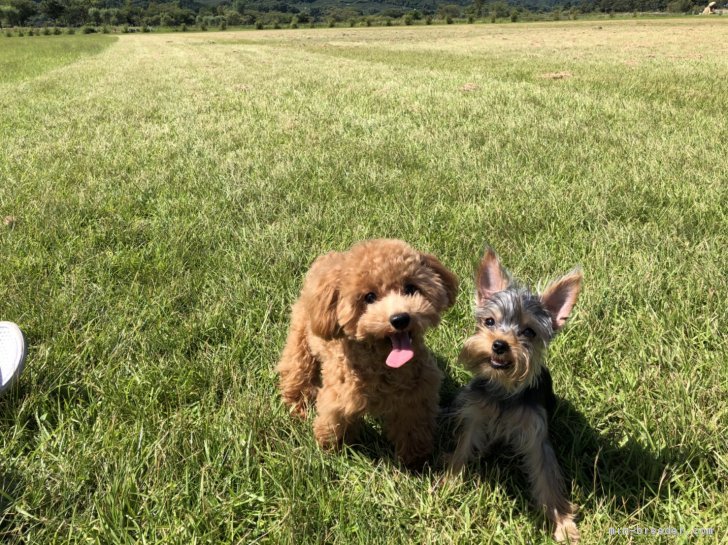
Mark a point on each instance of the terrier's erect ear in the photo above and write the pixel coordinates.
(449, 280)
(560, 296)
(321, 295)
(491, 277)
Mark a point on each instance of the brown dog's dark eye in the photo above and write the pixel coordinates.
(490, 322)
(410, 289)
(370, 297)
(528, 332)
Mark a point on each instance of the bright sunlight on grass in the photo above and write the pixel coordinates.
(169, 191)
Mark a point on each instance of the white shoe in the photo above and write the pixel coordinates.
(12, 354)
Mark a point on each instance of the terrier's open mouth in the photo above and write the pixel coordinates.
(496, 363)
(401, 349)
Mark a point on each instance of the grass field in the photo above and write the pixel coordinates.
(169, 191)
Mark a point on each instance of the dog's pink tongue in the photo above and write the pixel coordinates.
(401, 350)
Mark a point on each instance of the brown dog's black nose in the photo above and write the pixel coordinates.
(500, 347)
(400, 321)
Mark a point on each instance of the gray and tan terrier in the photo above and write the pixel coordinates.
(511, 395)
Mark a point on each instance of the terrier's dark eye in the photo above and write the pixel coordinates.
(410, 289)
(490, 322)
(370, 297)
(528, 332)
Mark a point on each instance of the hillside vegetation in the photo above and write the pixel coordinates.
(182, 14)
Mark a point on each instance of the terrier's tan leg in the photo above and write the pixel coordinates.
(542, 467)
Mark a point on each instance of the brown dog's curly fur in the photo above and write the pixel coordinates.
(339, 340)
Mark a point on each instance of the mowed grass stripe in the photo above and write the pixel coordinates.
(162, 239)
(25, 58)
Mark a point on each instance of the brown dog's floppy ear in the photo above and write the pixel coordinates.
(321, 295)
(449, 280)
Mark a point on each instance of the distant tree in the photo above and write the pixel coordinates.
(9, 16)
(342, 14)
(500, 8)
(233, 18)
(448, 10)
(118, 17)
(478, 7)
(74, 12)
(395, 13)
(52, 9)
(26, 9)
(680, 6)
(94, 15)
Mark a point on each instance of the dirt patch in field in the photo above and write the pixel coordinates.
(557, 75)
(470, 87)
(10, 221)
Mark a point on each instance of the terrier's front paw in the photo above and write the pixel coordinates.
(566, 531)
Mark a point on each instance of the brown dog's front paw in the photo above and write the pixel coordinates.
(327, 440)
(415, 464)
(299, 410)
(414, 459)
(328, 436)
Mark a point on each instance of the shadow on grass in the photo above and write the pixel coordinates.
(627, 474)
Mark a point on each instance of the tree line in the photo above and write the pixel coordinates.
(75, 13)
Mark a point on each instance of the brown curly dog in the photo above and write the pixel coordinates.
(356, 344)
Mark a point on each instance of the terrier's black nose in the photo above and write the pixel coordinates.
(400, 321)
(500, 347)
